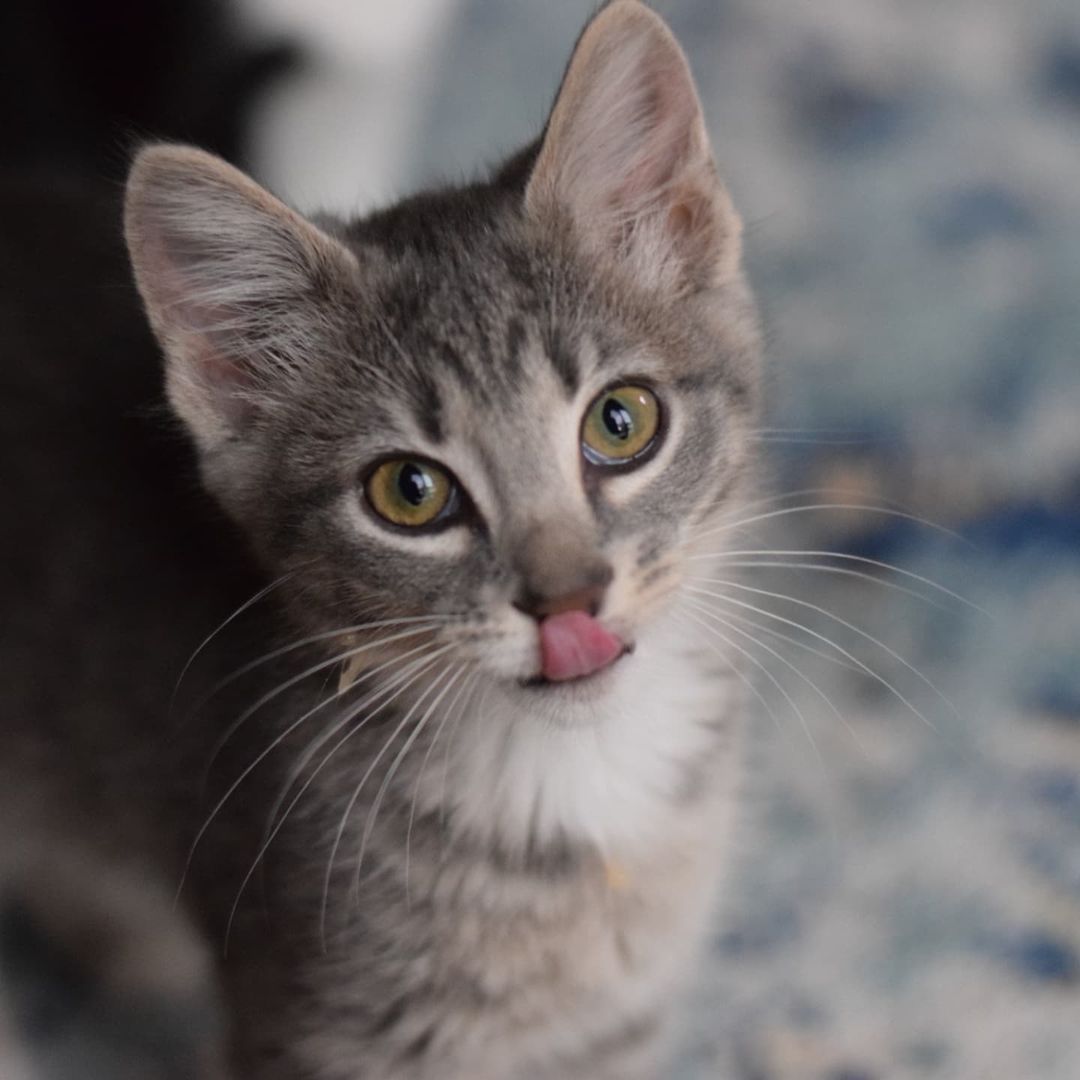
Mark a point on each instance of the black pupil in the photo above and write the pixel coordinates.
(414, 484)
(617, 419)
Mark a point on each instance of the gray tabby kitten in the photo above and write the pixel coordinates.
(468, 816)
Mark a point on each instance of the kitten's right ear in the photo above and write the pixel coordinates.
(233, 282)
(626, 156)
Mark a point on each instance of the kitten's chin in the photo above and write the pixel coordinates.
(572, 702)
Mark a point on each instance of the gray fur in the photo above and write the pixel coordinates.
(490, 931)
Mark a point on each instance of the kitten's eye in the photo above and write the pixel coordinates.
(409, 493)
(620, 425)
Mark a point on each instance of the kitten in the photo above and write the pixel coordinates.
(469, 813)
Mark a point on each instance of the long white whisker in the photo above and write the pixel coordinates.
(373, 813)
(731, 625)
(839, 661)
(247, 605)
(406, 676)
(343, 824)
(760, 666)
(724, 556)
(459, 699)
(843, 622)
(850, 507)
(314, 639)
(821, 637)
(289, 683)
(318, 743)
(450, 742)
(812, 440)
(803, 431)
(807, 492)
(275, 743)
(736, 670)
(415, 671)
(861, 575)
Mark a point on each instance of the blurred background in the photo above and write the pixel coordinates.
(906, 898)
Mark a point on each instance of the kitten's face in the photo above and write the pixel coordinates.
(484, 408)
(503, 395)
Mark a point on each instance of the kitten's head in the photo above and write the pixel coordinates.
(509, 407)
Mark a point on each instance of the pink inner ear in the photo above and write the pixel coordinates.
(663, 137)
(226, 382)
(626, 153)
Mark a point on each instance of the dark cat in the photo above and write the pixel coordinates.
(468, 813)
(78, 80)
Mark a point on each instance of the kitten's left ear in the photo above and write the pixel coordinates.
(626, 154)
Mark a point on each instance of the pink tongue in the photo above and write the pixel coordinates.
(573, 644)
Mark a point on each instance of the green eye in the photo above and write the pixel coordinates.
(407, 492)
(620, 425)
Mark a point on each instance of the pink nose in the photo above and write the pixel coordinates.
(574, 644)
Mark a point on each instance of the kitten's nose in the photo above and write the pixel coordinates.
(558, 568)
(587, 597)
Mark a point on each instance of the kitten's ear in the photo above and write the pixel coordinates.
(233, 282)
(626, 153)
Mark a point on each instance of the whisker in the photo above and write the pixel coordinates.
(350, 654)
(736, 670)
(817, 492)
(416, 671)
(862, 559)
(813, 440)
(459, 698)
(839, 661)
(247, 605)
(843, 622)
(762, 668)
(788, 664)
(773, 564)
(343, 824)
(450, 743)
(821, 637)
(273, 827)
(373, 813)
(275, 743)
(314, 639)
(803, 431)
(317, 744)
(849, 507)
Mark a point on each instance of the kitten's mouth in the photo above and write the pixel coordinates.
(575, 646)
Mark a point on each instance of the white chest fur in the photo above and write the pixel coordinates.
(610, 770)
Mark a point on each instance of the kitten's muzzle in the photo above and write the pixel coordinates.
(558, 569)
(563, 588)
